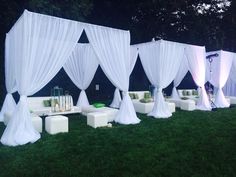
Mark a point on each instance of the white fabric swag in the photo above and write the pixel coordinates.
(179, 77)
(161, 61)
(113, 49)
(9, 103)
(130, 66)
(230, 86)
(41, 45)
(81, 68)
(220, 67)
(197, 67)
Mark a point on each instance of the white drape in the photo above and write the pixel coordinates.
(230, 86)
(133, 58)
(113, 50)
(161, 61)
(179, 77)
(81, 68)
(197, 67)
(220, 67)
(41, 45)
(116, 99)
(9, 103)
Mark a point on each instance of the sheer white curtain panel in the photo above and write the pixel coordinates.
(81, 68)
(112, 47)
(9, 103)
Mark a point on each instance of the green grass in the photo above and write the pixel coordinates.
(188, 144)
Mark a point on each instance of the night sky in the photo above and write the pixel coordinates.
(210, 23)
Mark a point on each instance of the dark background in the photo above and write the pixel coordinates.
(210, 22)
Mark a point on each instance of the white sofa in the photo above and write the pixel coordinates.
(110, 112)
(189, 93)
(188, 105)
(145, 108)
(36, 106)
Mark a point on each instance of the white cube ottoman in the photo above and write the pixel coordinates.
(97, 119)
(171, 106)
(37, 123)
(232, 100)
(188, 105)
(56, 124)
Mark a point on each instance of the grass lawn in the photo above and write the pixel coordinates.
(196, 144)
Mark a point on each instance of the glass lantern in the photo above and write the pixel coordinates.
(67, 101)
(56, 99)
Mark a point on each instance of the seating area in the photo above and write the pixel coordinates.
(144, 104)
(188, 94)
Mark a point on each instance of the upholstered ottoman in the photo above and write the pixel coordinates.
(97, 119)
(188, 105)
(56, 124)
(171, 106)
(37, 123)
(232, 100)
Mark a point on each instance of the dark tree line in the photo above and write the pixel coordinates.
(203, 22)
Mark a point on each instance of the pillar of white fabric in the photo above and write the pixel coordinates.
(9, 106)
(19, 129)
(179, 77)
(161, 108)
(81, 68)
(161, 61)
(197, 67)
(9, 103)
(130, 66)
(113, 50)
(41, 45)
(82, 100)
(220, 70)
(116, 99)
(175, 94)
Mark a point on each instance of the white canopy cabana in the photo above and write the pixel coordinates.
(220, 69)
(163, 61)
(38, 46)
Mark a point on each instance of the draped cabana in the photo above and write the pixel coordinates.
(165, 61)
(220, 69)
(38, 46)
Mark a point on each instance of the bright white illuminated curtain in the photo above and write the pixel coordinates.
(81, 68)
(134, 55)
(220, 67)
(41, 45)
(9, 103)
(230, 86)
(113, 49)
(197, 67)
(179, 77)
(161, 61)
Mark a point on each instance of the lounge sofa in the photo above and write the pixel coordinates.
(145, 108)
(188, 94)
(37, 106)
